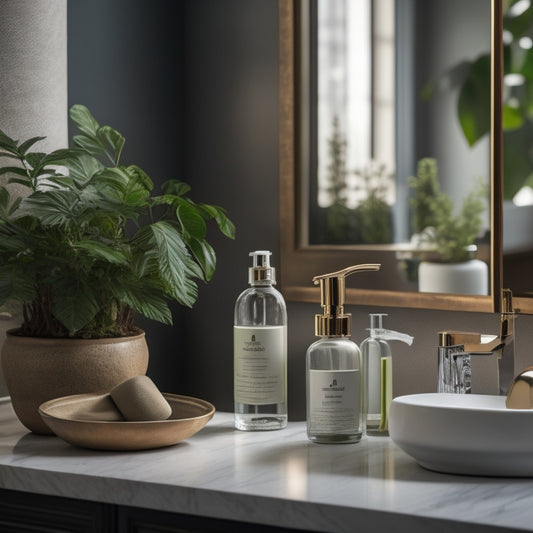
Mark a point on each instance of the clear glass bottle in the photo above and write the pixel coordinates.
(260, 351)
(334, 391)
(333, 368)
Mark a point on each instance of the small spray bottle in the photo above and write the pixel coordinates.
(377, 365)
(333, 367)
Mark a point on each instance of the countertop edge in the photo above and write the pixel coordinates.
(217, 504)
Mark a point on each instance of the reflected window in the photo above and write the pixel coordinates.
(352, 127)
(382, 92)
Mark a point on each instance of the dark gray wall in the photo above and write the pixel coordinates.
(126, 64)
(193, 86)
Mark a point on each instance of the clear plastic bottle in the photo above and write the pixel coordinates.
(333, 368)
(377, 364)
(260, 351)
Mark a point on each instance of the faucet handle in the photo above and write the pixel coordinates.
(454, 338)
(473, 343)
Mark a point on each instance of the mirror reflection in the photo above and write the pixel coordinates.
(517, 122)
(396, 105)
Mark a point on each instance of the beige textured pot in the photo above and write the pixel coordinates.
(38, 369)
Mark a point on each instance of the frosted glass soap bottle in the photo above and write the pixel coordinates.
(260, 351)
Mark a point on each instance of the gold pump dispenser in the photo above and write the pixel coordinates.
(334, 321)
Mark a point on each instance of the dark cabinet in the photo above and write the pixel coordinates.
(37, 513)
(24, 512)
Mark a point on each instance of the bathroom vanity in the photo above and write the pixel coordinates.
(222, 479)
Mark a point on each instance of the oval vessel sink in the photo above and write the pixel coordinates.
(464, 433)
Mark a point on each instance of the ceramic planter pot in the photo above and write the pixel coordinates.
(468, 277)
(40, 369)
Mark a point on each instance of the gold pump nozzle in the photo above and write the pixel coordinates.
(332, 295)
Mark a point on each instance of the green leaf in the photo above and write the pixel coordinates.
(205, 255)
(518, 25)
(102, 251)
(89, 144)
(4, 199)
(113, 180)
(52, 207)
(165, 199)
(113, 140)
(83, 118)
(14, 170)
(35, 159)
(175, 187)
(127, 185)
(473, 105)
(191, 221)
(10, 155)
(512, 118)
(81, 166)
(26, 145)
(219, 214)
(176, 267)
(14, 205)
(58, 157)
(21, 181)
(145, 299)
(75, 303)
(140, 178)
(7, 143)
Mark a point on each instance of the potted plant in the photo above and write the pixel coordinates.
(85, 247)
(445, 239)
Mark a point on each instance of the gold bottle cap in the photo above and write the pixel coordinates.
(334, 321)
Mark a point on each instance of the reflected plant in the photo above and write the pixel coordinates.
(472, 79)
(374, 213)
(341, 224)
(438, 228)
(371, 221)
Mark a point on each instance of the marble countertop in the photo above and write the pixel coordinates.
(275, 478)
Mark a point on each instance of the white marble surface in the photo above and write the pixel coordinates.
(276, 478)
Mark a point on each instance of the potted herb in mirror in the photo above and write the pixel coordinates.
(86, 246)
(446, 240)
(370, 220)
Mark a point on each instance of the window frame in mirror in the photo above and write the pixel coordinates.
(299, 262)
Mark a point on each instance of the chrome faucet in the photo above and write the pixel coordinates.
(456, 348)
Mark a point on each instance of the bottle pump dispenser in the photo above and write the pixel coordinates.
(260, 350)
(333, 367)
(377, 364)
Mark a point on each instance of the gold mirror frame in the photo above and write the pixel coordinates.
(300, 263)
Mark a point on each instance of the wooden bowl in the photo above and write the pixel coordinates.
(93, 421)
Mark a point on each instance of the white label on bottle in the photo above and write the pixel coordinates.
(334, 399)
(260, 355)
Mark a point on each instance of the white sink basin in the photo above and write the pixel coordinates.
(464, 433)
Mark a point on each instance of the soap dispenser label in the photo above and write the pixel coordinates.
(259, 355)
(335, 403)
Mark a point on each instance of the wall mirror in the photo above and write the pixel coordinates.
(391, 149)
(517, 125)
